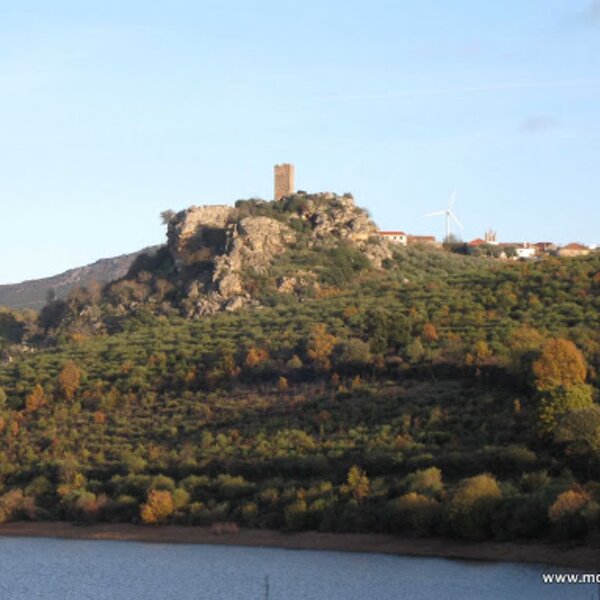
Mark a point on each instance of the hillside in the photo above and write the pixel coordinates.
(355, 387)
(33, 294)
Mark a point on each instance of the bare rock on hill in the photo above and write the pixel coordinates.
(251, 245)
(337, 218)
(197, 233)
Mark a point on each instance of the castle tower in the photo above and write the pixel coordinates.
(490, 237)
(284, 180)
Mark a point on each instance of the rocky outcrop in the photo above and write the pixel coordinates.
(214, 247)
(193, 234)
(251, 244)
(248, 245)
(337, 218)
(224, 258)
(296, 283)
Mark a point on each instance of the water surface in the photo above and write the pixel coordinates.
(99, 570)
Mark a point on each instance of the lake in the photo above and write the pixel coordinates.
(88, 570)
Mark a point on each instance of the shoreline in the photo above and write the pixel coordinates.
(562, 555)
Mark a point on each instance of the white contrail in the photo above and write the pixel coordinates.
(474, 89)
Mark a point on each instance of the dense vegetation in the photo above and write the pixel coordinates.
(446, 395)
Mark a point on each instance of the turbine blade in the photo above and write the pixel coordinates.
(436, 214)
(455, 219)
(452, 198)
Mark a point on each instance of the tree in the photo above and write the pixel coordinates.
(319, 348)
(414, 511)
(36, 399)
(415, 351)
(430, 333)
(166, 216)
(481, 352)
(357, 484)
(581, 428)
(524, 344)
(158, 507)
(353, 354)
(471, 506)
(453, 243)
(561, 363)
(255, 357)
(10, 504)
(227, 362)
(556, 403)
(568, 504)
(426, 481)
(296, 513)
(69, 379)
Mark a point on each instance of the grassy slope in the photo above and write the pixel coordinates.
(168, 407)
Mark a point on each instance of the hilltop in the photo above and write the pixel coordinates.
(225, 258)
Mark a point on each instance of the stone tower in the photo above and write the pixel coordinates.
(284, 180)
(490, 237)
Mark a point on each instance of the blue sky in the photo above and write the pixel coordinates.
(111, 112)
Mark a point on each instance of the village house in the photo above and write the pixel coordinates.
(428, 240)
(491, 247)
(546, 247)
(573, 249)
(525, 250)
(396, 237)
(476, 243)
(522, 250)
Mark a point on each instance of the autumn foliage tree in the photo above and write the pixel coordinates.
(255, 357)
(561, 363)
(568, 503)
(69, 380)
(357, 484)
(36, 399)
(430, 333)
(560, 374)
(158, 507)
(472, 505)
(320, 346)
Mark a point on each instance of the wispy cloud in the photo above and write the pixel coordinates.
(538, 124)
(464, 90)
(592, 13)
(589, 15)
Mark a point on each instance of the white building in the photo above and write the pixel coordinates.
(525, 250)
(396, 237)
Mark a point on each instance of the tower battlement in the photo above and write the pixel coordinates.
(284, 180)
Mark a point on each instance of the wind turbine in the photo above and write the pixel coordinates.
(450, 216)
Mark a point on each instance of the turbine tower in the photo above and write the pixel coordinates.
(448, 212)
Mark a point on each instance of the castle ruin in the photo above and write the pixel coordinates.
(284, 180)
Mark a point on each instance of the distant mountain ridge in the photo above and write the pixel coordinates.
(33, 293)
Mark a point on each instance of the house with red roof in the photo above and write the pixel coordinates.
(428, 240)
(573, 249)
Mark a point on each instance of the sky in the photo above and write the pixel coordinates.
(112, 111)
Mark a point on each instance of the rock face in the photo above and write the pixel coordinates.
(195, 229)
(337, 218)
(212, 233)
(214, 246)
(252, 243)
